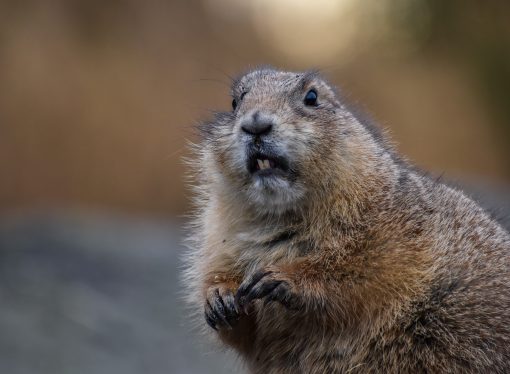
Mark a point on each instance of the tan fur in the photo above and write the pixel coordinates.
(389, 271)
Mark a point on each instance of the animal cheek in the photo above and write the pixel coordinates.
(307, 129)
(285, 131)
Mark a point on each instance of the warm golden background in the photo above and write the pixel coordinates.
(97, 102)
(97, 98)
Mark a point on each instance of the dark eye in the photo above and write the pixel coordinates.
(234, 102)
(311, 98)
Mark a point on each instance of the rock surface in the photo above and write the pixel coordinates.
(95, 294)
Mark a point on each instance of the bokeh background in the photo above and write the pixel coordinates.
(98, 100)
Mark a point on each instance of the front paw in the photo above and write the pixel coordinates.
(266, 284)
(220, 308)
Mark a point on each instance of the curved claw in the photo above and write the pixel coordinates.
(220, 310)
(263, 284)
(210, 316)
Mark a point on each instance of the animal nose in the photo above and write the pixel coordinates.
(257, 125)
(257, 128)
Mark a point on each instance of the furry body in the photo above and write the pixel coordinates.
(349, 260)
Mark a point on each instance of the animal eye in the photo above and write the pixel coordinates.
(311, 98)
(234, 102)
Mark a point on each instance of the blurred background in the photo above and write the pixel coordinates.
(98, 100)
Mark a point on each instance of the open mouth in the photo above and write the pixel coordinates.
(265, 165)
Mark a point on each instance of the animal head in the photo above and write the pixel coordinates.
(287, 139)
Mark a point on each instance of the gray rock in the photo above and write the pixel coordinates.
(95, 294)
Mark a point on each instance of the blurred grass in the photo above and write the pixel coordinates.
(477, 35)
(97, 98)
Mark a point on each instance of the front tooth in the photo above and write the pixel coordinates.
(261, 164)
(267, 164)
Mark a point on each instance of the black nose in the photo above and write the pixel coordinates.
(257, 125)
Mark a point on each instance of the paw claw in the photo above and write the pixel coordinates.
(220, 309)
(263, 285)
(210, 321)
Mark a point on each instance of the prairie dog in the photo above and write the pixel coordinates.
(316, 248)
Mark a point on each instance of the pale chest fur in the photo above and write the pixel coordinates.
(241, 246)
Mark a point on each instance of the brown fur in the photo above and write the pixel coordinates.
(387, 270)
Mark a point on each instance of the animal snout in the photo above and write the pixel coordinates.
(257, 125)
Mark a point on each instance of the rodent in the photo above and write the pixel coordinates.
(316, 248)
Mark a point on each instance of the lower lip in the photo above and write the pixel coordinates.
(269, 172)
